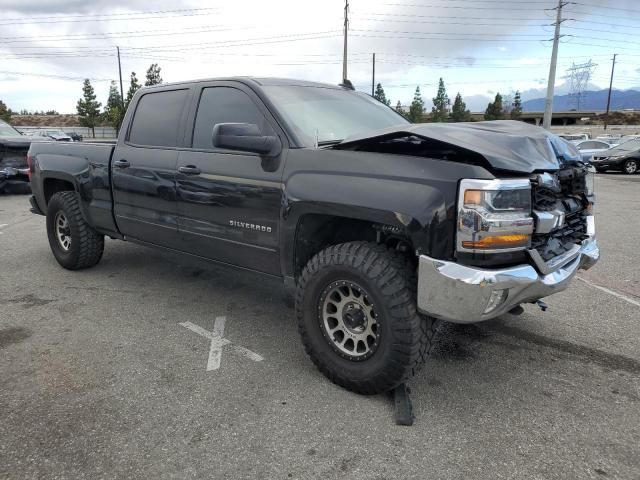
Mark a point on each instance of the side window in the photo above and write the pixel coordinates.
(156, 121)
(223, 105)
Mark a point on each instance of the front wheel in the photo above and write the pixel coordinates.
(356, 309)
(630, 167)
(72, 240)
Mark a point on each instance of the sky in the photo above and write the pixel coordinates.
(479, 47)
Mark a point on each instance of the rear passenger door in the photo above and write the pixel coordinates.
(229, 201)
(144, 168)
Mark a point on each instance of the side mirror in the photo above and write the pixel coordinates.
(245, 137)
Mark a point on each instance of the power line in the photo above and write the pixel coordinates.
(449, 33)
(109, 15)
(593, 5)
(465, 7)
(49, 75)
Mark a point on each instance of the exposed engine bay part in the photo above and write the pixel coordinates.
(507, 145)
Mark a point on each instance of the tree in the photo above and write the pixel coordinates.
(416, 109)
(440, 109)
(459, 112)
(113, 111)
(153, 75)
(516, 111)
(380, 96)
(134, 86)
(400, 110)
(5, 112)
(494, 109)
(88, 108)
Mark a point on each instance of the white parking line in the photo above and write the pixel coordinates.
(218, 341)
(610, 292)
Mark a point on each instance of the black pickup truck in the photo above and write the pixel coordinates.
(379, 227)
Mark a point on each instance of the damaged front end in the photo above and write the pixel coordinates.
(14, 167)
(519, 237)
(14, 180)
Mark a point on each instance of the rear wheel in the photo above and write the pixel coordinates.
(72, 240)
(630, 167)
(356, 309)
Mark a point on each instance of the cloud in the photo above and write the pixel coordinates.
(285, 38)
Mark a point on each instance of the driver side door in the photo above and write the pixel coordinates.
(229, 201)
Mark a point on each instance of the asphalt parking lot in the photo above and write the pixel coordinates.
(104, 373)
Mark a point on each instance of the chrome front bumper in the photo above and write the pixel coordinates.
(462, 294)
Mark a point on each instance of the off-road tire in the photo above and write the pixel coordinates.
(406, 336)
(86, 245)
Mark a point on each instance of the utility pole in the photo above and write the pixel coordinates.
(606, 116)
(373, 76)
(120, 73)
(548, 103)
(346, 28)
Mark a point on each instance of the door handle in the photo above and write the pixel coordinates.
(122, 163)
(189, 170)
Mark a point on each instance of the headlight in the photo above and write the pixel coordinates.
(494, 215)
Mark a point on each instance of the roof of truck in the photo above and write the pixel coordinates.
(260, 81)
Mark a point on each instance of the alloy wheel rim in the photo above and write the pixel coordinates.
(63, 231)
(349, 321)
(631, 167)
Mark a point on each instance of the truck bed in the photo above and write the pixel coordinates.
(83, 165)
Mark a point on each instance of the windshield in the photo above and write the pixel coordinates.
(8, 131)
(625, 147)
(330, 113)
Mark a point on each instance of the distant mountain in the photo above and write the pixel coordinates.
(594, 100)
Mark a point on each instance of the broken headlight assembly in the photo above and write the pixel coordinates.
(494, 216)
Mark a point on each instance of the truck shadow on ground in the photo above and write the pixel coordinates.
(267, 295)
(457, 341)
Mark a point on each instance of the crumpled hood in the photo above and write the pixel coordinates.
(505, 144)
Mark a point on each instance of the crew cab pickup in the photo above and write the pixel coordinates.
(379, 227)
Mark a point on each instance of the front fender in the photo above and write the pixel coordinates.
(417, 195)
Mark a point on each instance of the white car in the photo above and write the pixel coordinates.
(53, 134)
(574, 137)
(588, 148)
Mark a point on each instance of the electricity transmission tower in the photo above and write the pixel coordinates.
(579, 76)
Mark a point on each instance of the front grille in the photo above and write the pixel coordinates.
(564, 192)
(561, 240)
(545, 199)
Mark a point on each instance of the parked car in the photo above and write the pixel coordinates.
(626, 138)
(611, 138)
(588, 148)
(575, 137)
(13, 159)
(624, 157)
(379, 227)
(76, 137)
(57, 135)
